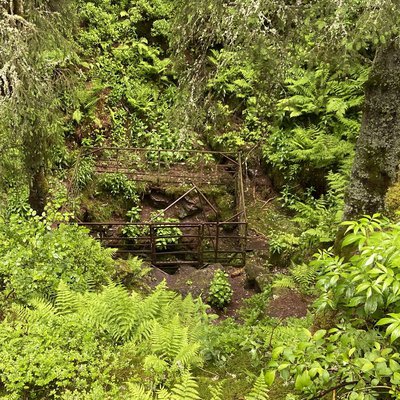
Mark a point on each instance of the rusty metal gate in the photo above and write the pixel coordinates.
(195, 244)
(164, 243)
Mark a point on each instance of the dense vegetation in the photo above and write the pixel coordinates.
(307, 91)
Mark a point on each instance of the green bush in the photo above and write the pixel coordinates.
(118, 184)
(220, 292)
(83, 172)
(105, 343)
(34, 258)
(366, 285)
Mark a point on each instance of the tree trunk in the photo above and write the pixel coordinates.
(378, 148)
(18, 7)
(38, 190)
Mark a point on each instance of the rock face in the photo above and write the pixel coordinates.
(188, 207)
(159, 200)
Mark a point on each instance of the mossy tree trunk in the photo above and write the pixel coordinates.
(38, 190)
(378, 148)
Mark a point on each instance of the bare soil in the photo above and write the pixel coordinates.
(288, 303)
(197, 281)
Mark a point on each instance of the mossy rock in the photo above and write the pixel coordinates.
(102, 209)
(225, 205)
(258, 274)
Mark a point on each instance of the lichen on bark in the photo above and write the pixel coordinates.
(378, 147)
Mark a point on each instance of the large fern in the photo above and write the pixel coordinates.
(187, 389)
(153, 340)
(260, 389)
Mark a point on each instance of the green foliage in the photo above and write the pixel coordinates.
(103, 343)
(220, 291)
(314, 223)
(260, 389)
(305, 276)
(118, 184)
(353, 362)
(35, 258)
(166, 235)
(83, 172)
(127, 57)
(30, 110)
(393, 330)
(284, 244)
(367, 284)
(316, 124)
(284, 281)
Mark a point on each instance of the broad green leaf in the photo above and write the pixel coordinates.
(302, 381)
(270, 377)
(368, 366)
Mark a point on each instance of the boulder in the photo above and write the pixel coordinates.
(258, 273)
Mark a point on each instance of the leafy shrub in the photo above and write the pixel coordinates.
(220, 292)
(100, 343)
(83, 173)
(34, 258)
(367, 284)
(284, 245)
(284, 281)
(165, 235)
(118, 184)
(350, 362)
(305, 276)
(125, 44)
(316, 124)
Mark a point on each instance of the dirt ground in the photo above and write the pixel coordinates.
(283, 304)
(288, 303)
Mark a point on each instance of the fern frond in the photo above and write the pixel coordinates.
(216, 391)
(304, 275)
(66, 300)
(260, 389)
(144, 331)
(43, 309)
(155, 364)
(118, 312)
(284, 281)
(188, 355)
(138, 392)
(187, 389)
(173, 334)
(163, 394)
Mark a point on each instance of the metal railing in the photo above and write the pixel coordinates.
(188, 243)
(197, 243)
(165, 166)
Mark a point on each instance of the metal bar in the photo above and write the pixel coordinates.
(146, 149)
(153, 245)
(216, 243)
(173, 252)
(175, 202)
(200, 245)
(177, 262)
(205, 198)
(233, 216)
